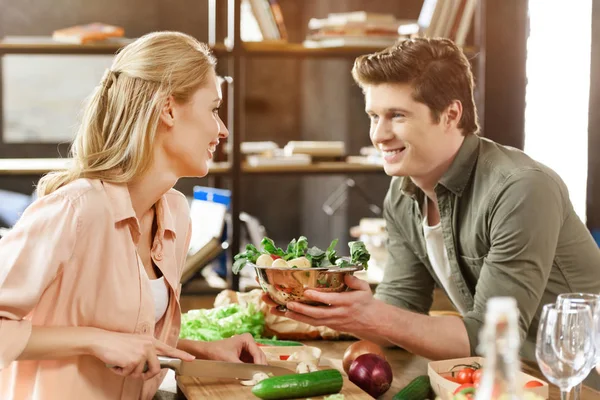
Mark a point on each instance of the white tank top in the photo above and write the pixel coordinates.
(438, 257)
(160, 293)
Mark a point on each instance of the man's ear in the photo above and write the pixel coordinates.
(453, 114)
(167, 115)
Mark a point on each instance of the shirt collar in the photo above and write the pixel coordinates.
(457, 176)
(122, 209)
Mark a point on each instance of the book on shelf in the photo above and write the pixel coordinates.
(269, 19)
(350, 41)
(358, 29)
(315, 148)
(447, 18)
(89, 33)
(269, 160)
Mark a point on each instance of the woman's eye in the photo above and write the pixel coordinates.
(216, 110)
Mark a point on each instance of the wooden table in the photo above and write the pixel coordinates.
(406, 367)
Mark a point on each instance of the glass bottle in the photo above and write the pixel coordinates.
(499, 344)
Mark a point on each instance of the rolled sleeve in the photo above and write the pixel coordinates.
(406, 281)
(31, 256)
(525, 220)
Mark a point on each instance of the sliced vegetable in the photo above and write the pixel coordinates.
(465, 388)
(258, 377)
(300, 385)
(417, 389)
(274, 342)
(264, 260)
(338, 396)
(533, 383)
(280, 263)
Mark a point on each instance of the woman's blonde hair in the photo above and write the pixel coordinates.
(119, 123)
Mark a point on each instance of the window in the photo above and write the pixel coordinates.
(44, 95)
(557, 96)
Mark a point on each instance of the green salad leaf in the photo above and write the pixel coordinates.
(299, 248)
(359, 253)
(222, 322)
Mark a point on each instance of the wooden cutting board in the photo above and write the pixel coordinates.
(210, 388)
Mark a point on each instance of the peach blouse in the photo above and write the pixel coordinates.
(71, 260)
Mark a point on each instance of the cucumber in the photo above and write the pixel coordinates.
(271, 342)
(417, 389)
(294, 386)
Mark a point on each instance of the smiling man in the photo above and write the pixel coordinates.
(464, 213)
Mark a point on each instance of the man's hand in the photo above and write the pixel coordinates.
(350, 311)
(239, 348)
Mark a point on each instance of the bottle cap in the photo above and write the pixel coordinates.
(501, 305)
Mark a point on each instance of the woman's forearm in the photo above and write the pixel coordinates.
(51, 343)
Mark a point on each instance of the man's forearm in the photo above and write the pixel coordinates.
(431, 337)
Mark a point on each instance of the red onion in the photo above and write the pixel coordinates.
(371, 373)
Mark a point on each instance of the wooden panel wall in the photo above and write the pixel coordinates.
(593, 188)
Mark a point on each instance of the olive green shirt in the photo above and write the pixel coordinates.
(509, 229)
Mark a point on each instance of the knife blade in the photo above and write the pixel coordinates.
(219, 369)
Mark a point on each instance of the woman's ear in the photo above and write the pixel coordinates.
(167, 116)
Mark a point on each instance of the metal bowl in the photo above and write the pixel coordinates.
(288, 284)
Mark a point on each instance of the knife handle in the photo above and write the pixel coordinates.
(165, 362)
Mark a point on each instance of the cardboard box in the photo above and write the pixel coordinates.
(443, 388)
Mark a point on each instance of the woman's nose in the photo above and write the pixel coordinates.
(223, 131)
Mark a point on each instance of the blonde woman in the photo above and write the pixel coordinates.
(89, 276)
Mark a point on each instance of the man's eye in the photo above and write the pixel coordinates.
(373, 117)
(397, 115)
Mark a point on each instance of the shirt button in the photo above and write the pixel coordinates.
(145, 327)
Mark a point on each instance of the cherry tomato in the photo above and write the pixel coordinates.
(477, 376)
(465, 375)
(533, 383)
(451, 378)
(274, 257)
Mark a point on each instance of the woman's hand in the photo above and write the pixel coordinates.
(128, 354)
(239, 348)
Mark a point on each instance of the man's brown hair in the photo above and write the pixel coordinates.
(437, 70)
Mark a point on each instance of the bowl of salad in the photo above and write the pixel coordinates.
(285, 274)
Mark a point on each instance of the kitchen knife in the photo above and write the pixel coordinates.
(218, 369)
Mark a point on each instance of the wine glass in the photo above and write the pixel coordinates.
(565, 344)
(593, 300)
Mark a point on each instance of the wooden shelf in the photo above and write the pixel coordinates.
(46, 45)
(333, 167)
(40, 166)
(282, 49)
